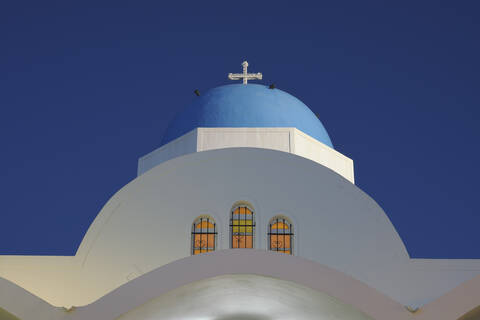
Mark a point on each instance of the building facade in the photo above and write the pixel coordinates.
(246, 211)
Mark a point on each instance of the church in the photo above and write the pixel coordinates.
(245, 211)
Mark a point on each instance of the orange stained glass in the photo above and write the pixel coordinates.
(204, 242)
(204, 225)
(242, 241)
(203, 237)
(280, 225)
(280, 243)
(280, 236)
(242, 210)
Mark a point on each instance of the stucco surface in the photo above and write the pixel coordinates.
(336, 224)
(147, 225)
(144, 297)
(289, 140)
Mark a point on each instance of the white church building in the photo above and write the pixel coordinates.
(246, 211)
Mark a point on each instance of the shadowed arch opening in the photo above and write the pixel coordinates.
(280, 235)
(242, 226)
(204, 235)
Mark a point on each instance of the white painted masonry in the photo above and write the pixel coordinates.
(289, 140)
(146, 225)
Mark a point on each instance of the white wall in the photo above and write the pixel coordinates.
(289, 140)
(183, 145)
(147, 225)
(308, 147)
(303, 287)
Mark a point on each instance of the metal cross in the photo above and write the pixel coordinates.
(245, 76)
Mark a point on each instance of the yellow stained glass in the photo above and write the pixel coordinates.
(242, 226)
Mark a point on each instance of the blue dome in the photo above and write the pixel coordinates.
(252, 106)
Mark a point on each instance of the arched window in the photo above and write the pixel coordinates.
(280, 235)
(242, 227)
(204, 235)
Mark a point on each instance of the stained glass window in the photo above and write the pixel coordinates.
(242, 227)
(280, 235)
(204, 235)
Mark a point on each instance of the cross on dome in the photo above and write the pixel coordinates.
(245, 76)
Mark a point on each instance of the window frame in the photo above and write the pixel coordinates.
(200, 220)
(245, 225)
(290, 233)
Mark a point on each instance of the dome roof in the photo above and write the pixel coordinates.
(253, 106)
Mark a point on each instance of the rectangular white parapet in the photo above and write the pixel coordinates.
(289, 140)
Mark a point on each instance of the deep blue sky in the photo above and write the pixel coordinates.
(88, 88)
